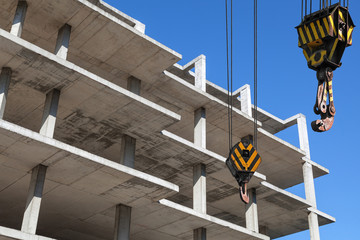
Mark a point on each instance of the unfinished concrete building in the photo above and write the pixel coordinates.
(104, 136)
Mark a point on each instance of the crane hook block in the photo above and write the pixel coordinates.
(242, 162)
(324, 35)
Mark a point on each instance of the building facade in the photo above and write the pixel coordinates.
(104, 136)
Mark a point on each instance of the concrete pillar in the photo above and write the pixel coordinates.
(122, 222)
(200, 73)
(200, 127)
(127, 156)
(308, 178)
(199, 188)
(19, 18)
(134, 85)
(251, 212)
(200, 234)
(50, 111)
(245, 99)
(33, 202)
(5, 78)
(62, 42)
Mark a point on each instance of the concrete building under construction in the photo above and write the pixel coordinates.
(104, 136)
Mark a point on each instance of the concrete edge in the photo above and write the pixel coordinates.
(128, 27)
(322, 214)
(324, 169)
(284, 192)
(211, 219)
(84, 154)
(207, 95)
(81, 71)
(16, 234)
(266, 133)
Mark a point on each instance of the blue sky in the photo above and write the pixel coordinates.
(285, 85)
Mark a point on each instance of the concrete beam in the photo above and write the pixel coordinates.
(199, 64)
(200, 234)
(251, 212)
(199, 188)
(19, 18)
(134, 85)
(33, 202)
(49, 114)
(303, 135)
(5, 78)
(245, 99)
(122, 222)
(62, 42)
(128, 146)
(200, 127)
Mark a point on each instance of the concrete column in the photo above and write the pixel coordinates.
(200, 73)
(199, 188)
(251, 212)
(134, 85)
(314, 226)
(62, 42)
(245, 99)
(200, 234)
(127, 156)
(303, 135)
(5, 78)
(200, 127)
(50, 111)
(33, 202)
(19, 18)
(122, 222)
(308, 178)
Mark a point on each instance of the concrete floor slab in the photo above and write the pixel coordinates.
(10, 234)
(87, 112)
(101, 39)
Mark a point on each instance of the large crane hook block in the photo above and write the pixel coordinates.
(242, 162)
(324, 35)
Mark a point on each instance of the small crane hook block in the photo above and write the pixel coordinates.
(242, 162)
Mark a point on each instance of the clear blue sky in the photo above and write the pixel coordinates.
(285, 85)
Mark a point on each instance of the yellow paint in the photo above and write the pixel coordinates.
(331, 99)
(326, 25)
(241, 159)
(302, 35)
(320, 28)
(330, 83)
(341, 35)
(315, 63)
(314, 30)
(256, 165)
(332, 24)
(333, 49)
(308, 33)
(330, 91)
(237, 165)
(349, 32)
(341, 16)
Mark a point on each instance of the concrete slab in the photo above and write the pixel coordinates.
(190, 219)
(102, 39)
(87, 112)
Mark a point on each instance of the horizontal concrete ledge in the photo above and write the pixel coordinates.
(13, 45)
(9, 233)
(323, 217)
(205, 97)
(195, 219)
(285, 193)
(55, 145)
(318, 167)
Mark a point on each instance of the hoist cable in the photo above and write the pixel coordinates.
(231, 68)
(228, 76)
(255, 74)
